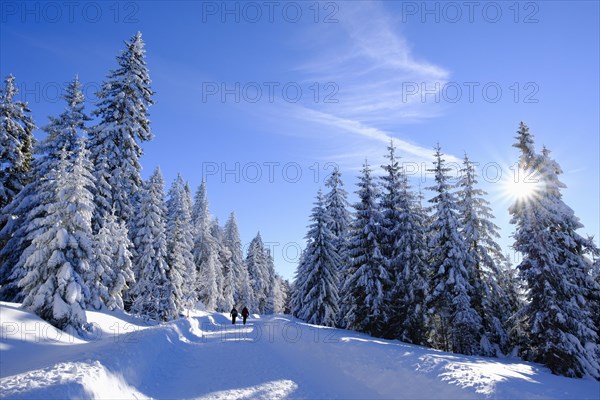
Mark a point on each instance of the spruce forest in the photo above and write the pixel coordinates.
(81, 230)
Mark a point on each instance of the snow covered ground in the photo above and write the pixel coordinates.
(205, 357)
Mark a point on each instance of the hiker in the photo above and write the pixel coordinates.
(245, 314)
(233, 314)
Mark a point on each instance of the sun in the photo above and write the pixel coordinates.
(522, 186)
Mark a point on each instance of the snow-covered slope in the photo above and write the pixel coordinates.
(204, 356)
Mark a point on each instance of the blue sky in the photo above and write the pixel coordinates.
(263, 98)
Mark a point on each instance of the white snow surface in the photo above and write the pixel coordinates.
(272, 357)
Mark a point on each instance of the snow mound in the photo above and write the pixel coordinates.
(272, 357)
(68, 380)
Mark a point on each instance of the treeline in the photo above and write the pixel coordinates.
(435, 276)
(80, 229)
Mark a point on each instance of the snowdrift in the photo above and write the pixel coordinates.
(273, 357)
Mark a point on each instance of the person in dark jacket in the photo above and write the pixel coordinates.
(245, 314)
(233, 314)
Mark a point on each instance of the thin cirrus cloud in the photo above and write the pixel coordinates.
(348, 125)
(373, 66)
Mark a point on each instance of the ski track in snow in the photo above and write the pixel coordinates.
(273, 357)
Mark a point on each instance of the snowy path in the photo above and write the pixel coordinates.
(275, 357)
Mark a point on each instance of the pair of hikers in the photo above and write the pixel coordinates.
(234, 313)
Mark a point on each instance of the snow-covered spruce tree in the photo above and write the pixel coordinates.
(454, 325)
(578, 255)
(180, 244)
(216, 234)
(60, 253)
(66, 130)
(111, 272)
(277, 296)
(561, 331)
(247, 296)
(336, 204)
(363, 292)
(151, 294)
(200, 212)
(229, 283)
(242, 294)
(288, 293)
(16, 143)
(297, 291)
(258, 272)
(271, 278)
(317, 284)
(62, 133)
(206, 252)
(411, 285)
(226, 283)
(510, 306)
(483, 256)
(391, 211)
(189, 204)
(208, 289)
(190, 287)
(116, 141)
(281, 291)
(271, 297)
(220, 270)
